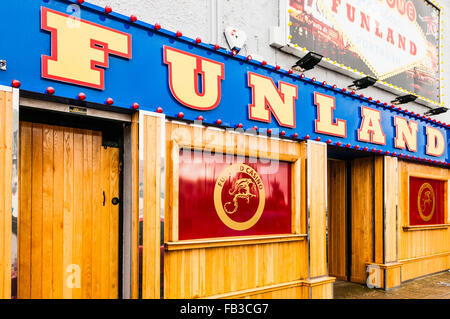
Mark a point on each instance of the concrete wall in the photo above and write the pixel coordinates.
(208, 19)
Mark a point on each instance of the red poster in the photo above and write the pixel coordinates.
(426, 201)
(230, 196)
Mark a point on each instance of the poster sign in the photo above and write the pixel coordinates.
(240, 197)
(426, 201)
(396, 41)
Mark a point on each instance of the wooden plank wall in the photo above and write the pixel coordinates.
(337, 223)
(362, 192)
(68, 240)
(255, 270)
(421, 252)
(6, 131)
(208, 272)
(151, 178)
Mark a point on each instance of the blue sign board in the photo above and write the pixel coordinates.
(133, 67)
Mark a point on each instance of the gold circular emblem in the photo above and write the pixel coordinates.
(425, 202)
(244, 188)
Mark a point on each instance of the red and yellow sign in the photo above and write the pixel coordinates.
(426, 201)
(242, 198)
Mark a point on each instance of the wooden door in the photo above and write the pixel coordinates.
(337, 186)
(68, 225)
(362, 197)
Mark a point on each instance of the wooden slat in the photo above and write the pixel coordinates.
(105, 222)
(232, 241)
(58, 212)
(135, 206)
(379, 210)
(47, 211)
(114, 223)
(317, 192)
(7, 194)
(97, 200)
(301, 151)
(37, 214)
(88, 226)
(296, 197)
(8, 133)
(3, 186)
(77, 243)
(174, 193)
(68, 152)
(152, 207)
(391, 227)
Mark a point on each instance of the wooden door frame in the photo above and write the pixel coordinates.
(349, 214)
(9, 137)
(151, 178)
(100, 116)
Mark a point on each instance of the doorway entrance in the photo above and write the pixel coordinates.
(337, 219)
(69, 208)
(351, 211)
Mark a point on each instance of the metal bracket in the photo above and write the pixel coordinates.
(3, 65)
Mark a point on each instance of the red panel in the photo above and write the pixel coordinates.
(221, 196)
(426, 201)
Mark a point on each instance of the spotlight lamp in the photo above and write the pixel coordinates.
(363, 83)
(436, 111)
(308, 62)
(404, 99)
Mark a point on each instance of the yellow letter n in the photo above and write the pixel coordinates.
(268, 99)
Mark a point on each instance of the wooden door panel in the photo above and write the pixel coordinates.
(68, 240)
(114, 227)
(362, 192)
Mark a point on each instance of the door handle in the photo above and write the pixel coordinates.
(104, 198)
(115, 201)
